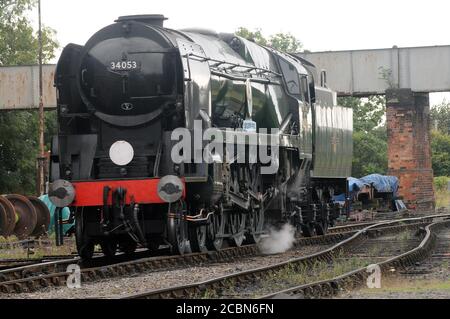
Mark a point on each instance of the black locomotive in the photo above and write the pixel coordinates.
(122, 96)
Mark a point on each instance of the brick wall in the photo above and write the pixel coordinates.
(409, 151)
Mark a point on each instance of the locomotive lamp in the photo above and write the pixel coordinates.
(61, 193)
(170, 188)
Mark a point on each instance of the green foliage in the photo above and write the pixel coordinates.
(369, 153)
(370, 139)
(368, 114)
(19, 44)
(440, 117)
(255, 36)
(440, 148)
(441, 182)
(386, 75)
(440, 140)
(19, 149)
(14, 9)
(441, 191)
(19, 130)
(369, 135)
(285, 42)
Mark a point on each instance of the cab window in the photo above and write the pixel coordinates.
(291, 77)
(305, 87)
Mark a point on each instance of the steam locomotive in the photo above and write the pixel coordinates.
(124, 95)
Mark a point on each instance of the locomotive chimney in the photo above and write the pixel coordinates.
(153, 19)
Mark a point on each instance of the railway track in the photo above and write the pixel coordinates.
(424, 279)
(247, 277)
(53, 274)
(358, 278)
(6, 264)
(440, 254)
(33, 277)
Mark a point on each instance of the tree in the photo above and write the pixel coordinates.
(285, 42)
(19, 149)
(369, 152)
(440, 148)
(255, 36)
(440, 117)
(20, 43)
(18, 130)
(369, 135)
(368, 114)
(440, 138)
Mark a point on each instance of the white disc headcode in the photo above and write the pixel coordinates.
(121, 153)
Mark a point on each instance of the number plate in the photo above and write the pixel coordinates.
(123, 65)
(249, 126)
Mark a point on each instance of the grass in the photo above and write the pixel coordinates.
(39, 250)
(318, 271)
(296, 275)
(404, 236)
(11, 239)
(375, 250)
(289, 276)
(409, 286)
(442, 199)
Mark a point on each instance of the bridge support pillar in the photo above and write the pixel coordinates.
(409, 149)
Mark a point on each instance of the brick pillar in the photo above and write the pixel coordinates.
(409, 150)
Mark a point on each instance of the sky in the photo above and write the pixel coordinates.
(321, 25)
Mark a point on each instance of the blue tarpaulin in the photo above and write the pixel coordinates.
(354, 184)
(339, 198)
(383, 184)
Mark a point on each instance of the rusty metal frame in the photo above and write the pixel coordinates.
(19, 87)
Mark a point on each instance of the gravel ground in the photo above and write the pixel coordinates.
(162, 279)
(117, 287)
(429, 279)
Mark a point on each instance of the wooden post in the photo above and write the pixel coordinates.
(41, 157)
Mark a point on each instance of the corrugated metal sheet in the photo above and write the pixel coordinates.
(19, 87)
(365, 72)
(333, 130)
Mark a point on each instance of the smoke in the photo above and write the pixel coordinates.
(278, 240)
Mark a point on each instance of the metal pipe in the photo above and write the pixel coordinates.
(139, 232)
(205, 117)
(60, 225)
(243, 79)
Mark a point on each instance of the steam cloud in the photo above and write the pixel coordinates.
(278, 241)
